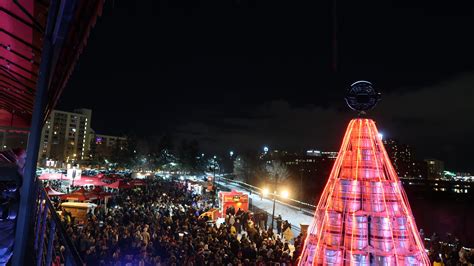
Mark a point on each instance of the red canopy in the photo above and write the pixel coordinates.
(110, 178)
(114, 176)
(137, 182)
(52, 192)
(99, 175)
(88, 180)
(119, 184)
(53, 176)
(79, 195)
(100, 193)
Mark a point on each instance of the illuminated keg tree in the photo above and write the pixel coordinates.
(363, 216)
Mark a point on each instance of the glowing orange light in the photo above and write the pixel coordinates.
(363, 215)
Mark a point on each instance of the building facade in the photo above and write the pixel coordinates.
(308, 173)
(65, 138)
(401, 156)
(435, 168)
(105, 147)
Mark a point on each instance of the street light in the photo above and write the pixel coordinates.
(213, 168)
(285, 194)
(275, 183)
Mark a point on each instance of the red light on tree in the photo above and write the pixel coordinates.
(363, 216)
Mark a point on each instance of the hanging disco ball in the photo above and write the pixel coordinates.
(362, 96)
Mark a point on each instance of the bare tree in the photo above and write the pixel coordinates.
(248, 168)
(242, 169)
(277, 172)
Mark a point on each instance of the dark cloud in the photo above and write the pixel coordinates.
(436, 120)
(252, 73)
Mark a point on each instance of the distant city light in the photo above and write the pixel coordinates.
(313, 153)
(380, 136)
(265, 149)
(231, 153)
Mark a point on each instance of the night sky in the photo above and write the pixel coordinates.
(243, 74)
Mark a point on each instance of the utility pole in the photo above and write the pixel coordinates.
(215, 186)
(301, 186)
(274, 197)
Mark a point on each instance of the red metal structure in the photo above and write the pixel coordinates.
(363, 216)
(23, 25)
(40, 42)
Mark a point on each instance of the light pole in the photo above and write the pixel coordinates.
(213, 169)
(301, 184)
(214, 179)
(275, 182)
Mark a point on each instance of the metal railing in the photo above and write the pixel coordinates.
(51, 242)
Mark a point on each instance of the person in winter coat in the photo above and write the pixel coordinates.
(279, 223)
(288, 234)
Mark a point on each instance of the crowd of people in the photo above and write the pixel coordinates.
(165, 224)
(162, 224)
(448, 251)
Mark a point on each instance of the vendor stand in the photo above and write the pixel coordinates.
(237, 200)
(78, 210)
